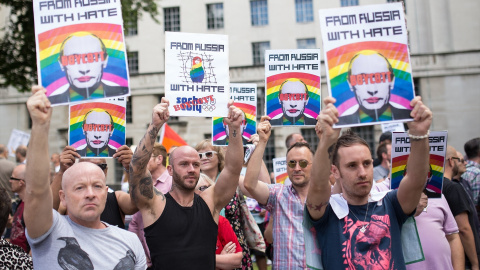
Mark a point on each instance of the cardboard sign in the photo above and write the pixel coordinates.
(80, 50)
(17, 138)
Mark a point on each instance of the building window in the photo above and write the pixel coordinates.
(367, 133)
(215, 16)
(258, 49)
(131, 26)
(259, 12)
(207, 136)
(304, 10)
(171, 19)
(270, 152)
(311, 137)
(306, 43)
(132, 62)
(346, 3)
(128, 110)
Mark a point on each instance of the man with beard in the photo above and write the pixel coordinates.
(181, 226)
(352, 229)
(293, 96)
(462, 209)
(285, 202)
(371, 79)
(83, 56)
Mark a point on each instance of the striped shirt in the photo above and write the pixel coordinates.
(287, 215)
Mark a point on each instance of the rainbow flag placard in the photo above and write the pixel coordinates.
(368, 63)
(292, 79)
(280, 170)
(97, 128)
(401, 151)
(80, 50)
(244, 96)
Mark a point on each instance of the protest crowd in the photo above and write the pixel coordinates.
(216, 205)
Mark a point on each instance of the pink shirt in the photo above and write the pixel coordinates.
(163, 184)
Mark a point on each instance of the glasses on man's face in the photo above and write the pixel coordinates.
(208, 154)
(15, 179)
(459, 159)
(102, 166)
(203, 188)
(293, 163)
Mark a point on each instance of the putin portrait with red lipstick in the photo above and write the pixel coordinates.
(371, 78)
(98, 128)
(83, 57)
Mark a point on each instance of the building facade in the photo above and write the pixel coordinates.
(444, 46)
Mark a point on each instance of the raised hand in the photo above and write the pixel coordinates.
(160, 113)
(422, 117)
(39, 106)
(264, 129)
(234, 118)
(325, 121)
(124, 155)
(67, 157)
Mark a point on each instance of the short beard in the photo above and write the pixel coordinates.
(177, 182)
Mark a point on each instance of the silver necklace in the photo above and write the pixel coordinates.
(364, 226)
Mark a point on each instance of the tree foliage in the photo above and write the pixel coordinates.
(18, 65)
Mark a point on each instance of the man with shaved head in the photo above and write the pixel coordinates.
(180, 226)
(371, 79)
(79, 240)
(83, 57)
(463, 210)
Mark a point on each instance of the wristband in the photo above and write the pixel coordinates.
(418, 138)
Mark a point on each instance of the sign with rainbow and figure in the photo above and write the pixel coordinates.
(280, 170)
(97, 128)
(292, 79)
(80, 50)
(244, 96)
(368, 63)
(401, 151)
(197, 74)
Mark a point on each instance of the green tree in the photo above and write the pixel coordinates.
(18, 64)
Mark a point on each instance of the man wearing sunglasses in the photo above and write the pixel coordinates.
(80, 240)
(352, 229)
(285, 202)
(181, 226)
(225, 140)
(17, 237)
(463, 209)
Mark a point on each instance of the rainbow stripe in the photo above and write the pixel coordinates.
(396, 53)
(53, 78)
(280, 179)
(274, 108)
(77, 115)
(197, 73)
(436, 163)
(251, 128)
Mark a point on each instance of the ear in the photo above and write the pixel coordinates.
(335, 171)
(170, 170)
(62, 198)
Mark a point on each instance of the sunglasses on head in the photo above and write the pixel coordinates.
(15, 179)
(293, 163)
(102, 166)
(208, 154)
(203, 188)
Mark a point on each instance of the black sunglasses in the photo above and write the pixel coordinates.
(293, 163)
(102, 166)
(203, 188)
(15, 179)
(459, 159)
(208, 154)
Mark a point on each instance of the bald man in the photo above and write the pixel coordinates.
(371, 79)
(83, 57)
(98, 129)
(79, 240)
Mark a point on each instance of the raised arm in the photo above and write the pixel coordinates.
(38, 197)
(142, 192)
(258, 189)
(320, 190)
(413, 183)
(67, 159)
(227, 182)
(127, 206)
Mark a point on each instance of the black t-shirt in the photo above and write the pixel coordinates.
(457, 199)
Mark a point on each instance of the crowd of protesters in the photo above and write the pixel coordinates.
(192, 213)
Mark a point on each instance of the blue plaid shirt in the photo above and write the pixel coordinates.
(472, 175)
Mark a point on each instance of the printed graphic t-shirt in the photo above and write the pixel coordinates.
(343, 245)
(67, 245)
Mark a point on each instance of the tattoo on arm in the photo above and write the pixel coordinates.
(146, 187)
(316, 207)
(158, 193)
(234, 133)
